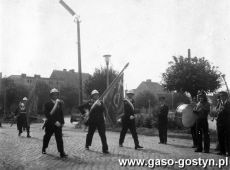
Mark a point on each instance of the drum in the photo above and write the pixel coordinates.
(188, 117)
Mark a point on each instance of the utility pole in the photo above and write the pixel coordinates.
(79, 61)
(77, 21)
(5, 90)
(107, 59)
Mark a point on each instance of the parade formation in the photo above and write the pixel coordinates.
(94, 116)
(189, 98)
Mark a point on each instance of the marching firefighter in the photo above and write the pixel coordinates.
(215, 117)
(128, 120)
(223, 124)
(21, 117)
(202, 110)
(95, 119)
(54, 123)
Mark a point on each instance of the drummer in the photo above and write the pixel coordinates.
(202, 110)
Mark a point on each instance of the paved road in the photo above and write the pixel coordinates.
(23, 153)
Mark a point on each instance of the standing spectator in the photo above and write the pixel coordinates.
(163, 121)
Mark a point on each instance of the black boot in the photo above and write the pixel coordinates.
(198, 150)
(43, 151)
(106, 152)
(28, 135)
(139, 147)
(63, 155)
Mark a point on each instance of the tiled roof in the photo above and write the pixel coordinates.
(151, 86)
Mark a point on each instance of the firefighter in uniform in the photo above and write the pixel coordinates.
(223, 124)
(128, 120)
(193, 128)
(163, 121)
(21, 117)
(95, 115)
(54, 123)
(202, 110)
(215, 117)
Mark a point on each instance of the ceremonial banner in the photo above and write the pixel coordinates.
(113, 101)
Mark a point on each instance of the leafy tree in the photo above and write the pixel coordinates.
(145, 99)
(41, 90)
(98, 80)
(191, 74)
(70, 97)
(175, 99)
(12, 92)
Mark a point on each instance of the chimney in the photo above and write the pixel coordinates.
(64, 69)
(37, 76)
(23, 75)
(149, 80)
(72, 70)
(189, 53)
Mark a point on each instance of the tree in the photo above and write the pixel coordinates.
(191, 74)
(145, 99)
(12, 93)
(70, 97)
(98, 80)
(40, 93)
(175, 99)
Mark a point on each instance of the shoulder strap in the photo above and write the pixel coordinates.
(129, 102)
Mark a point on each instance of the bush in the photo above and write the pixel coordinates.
(172, 124)
(139, 120)
(144, 120)
(148, 122)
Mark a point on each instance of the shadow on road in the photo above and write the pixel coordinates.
(146, 150)
(67, 160)
(110, 154)
(152, 151)
(179, 146)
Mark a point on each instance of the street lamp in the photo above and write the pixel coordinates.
(107, 59)
(77, 21)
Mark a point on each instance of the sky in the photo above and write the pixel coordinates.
(38, 36)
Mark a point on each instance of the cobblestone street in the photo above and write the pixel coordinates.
(25, 153)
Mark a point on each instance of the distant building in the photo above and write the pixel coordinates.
(153, 87)
(58, 79)
(69, 78)
(29, 81)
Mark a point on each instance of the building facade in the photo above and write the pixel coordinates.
(57, 79)
(29, 81)
(153, 87)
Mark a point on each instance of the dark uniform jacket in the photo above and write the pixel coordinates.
(163, 114)
(224, 114)
(202, 110)
(85, 106)
(128, 111)
(56, 116)
(96, 115)
(21, 115)
(20, 110)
